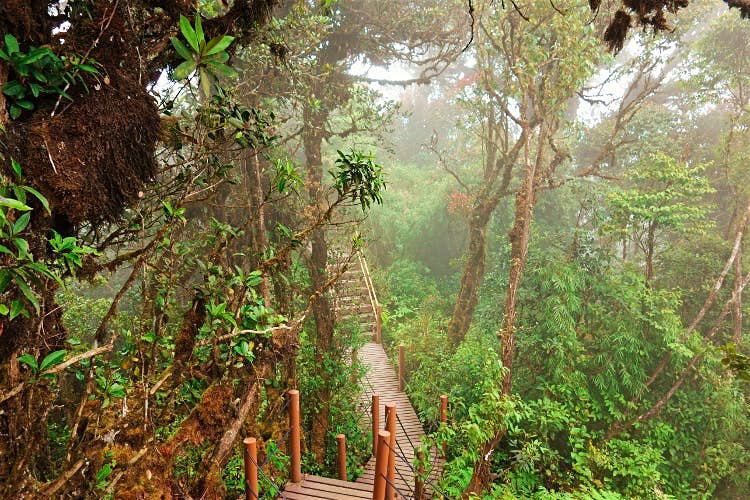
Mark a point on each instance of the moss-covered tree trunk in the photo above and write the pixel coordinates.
(322, 306)
(471, 278)
(519, 241)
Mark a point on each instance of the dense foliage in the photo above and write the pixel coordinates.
(558, 234)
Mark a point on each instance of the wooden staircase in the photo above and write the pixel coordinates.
(356, 301)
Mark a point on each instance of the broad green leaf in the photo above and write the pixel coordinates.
(16, 308)
(200, 37)
(28, 292)
(25, 104)
(15, 111)
(4, 310)
(219, 57)
(14, 89)
(21, 223)
(39, 196)
(181, 49)
(5, 276)
(44, 271)
(189, 33)
(11, 203)
(205, 80)
(52, 359)
(11, 44)
(221, 69)
(116, 390)
(183, 71)
(36, 55)
(217, 44)
(36, 89)
(22, 245)
(30, 361)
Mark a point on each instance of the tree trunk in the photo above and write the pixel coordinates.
(650, 243)
(737, 307)
(471, 279)
(519, 240)
(258, 230)
(322, 307)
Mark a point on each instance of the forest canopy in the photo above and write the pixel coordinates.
(553, 198)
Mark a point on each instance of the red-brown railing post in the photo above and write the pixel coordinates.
(381, 465)
(251, 469)
(375, 422)
(341, 441)
(390, 425)
(418, 481)
(444, 418)
(401, 368)
(294, 437)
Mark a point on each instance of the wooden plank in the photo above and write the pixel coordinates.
(324, 490)
(350, 484)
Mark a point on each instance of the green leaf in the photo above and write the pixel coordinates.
(221, 69)
(181, 49)
(21, 223)
(4, 310)
(25, 104)
(15, 111)
(219, 57)
(41, 77)
(11, 44)
(14, 88)
(22, 245)
(11, 203)
(5, 276)
(116, 390)
(16, 308)
(30, 361)
(39, 196)
(189, 33)
(183, 70)
(217, 44)
(16, 168)
(36, 55)
(52, 359)
(200, 37)
(88, 68)
(28, 293)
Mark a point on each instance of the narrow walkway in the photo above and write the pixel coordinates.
(381, 379)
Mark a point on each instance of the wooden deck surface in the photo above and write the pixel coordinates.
(382, 379)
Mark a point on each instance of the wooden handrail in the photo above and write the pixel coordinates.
(368, 280)
(372, 296)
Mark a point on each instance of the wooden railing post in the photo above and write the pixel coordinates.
(443, 409)
(401, 368)
(418, 481)
(444, 419)
(294, 437)
(390, 425)
(381, 465)
(341, 441)
(251, 469)
(375, 422)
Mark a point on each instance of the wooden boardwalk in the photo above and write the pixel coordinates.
(381, 379)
